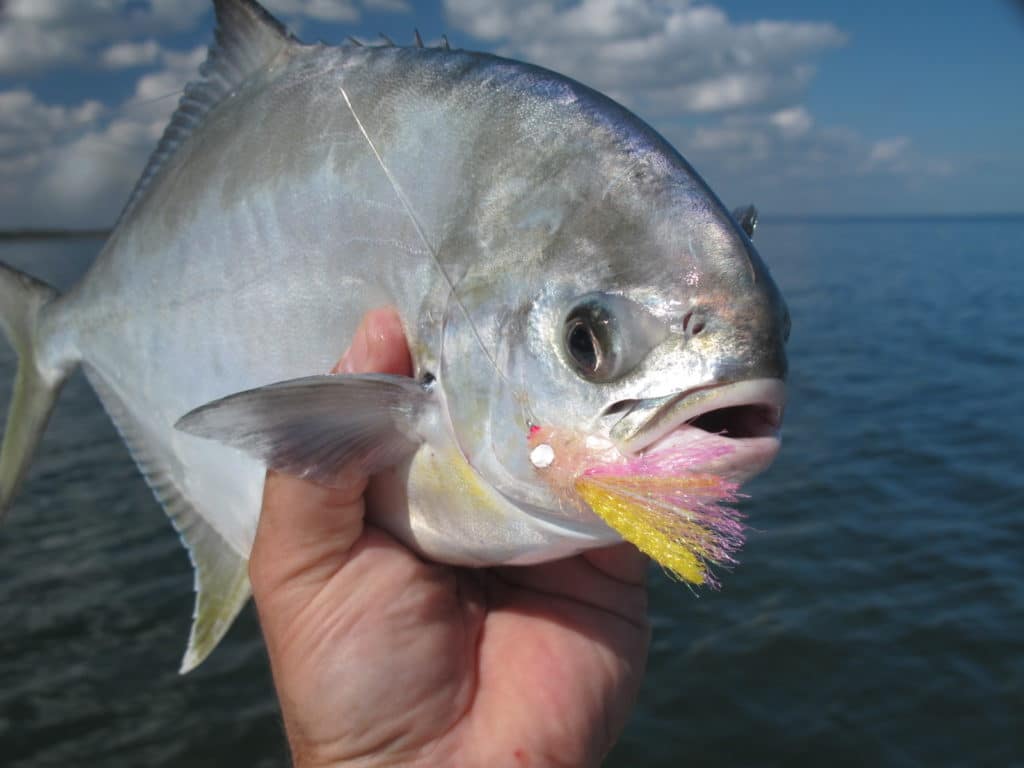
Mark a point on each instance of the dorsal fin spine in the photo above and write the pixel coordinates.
(246, 39)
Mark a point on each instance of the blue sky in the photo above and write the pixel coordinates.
(802, 107)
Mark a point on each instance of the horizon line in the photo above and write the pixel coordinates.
(15, 233)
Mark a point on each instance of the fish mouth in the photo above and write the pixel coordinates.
(744, 417)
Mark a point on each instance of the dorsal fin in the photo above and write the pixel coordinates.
(246, 39)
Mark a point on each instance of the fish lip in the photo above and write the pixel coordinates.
(652, 419)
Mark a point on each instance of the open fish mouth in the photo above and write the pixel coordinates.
(744, 416)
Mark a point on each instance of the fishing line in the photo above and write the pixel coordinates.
(419, 230)
(145, 102)
(99, 144)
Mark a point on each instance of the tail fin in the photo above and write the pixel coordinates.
(22, 298)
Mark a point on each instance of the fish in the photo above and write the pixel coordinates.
(598, 348)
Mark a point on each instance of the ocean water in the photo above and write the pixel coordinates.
(877, 617)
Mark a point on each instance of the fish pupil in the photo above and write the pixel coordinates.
(583, 346)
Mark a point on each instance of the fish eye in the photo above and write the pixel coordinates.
(589, 342)
(606, 335)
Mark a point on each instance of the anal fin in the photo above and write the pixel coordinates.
(221, 574)
(221, 583)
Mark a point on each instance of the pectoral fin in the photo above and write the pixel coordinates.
(314, 427)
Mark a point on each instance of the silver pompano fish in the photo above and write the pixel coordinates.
(556, 264)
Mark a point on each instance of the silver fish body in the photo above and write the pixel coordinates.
(508, 213)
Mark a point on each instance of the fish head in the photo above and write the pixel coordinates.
(642, 333)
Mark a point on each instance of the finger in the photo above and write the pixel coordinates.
(378, 346)
(305, 530)
(617, 589)
(623, 562)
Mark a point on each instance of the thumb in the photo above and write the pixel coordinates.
(306, 530)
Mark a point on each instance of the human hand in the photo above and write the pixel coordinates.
(380, 658)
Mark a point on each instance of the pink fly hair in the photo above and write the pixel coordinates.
(670, 488)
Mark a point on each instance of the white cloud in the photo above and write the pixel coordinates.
(321, 10)
(75, 165)
(44, 34)
(36, 10)
(730, 95)
(156, 93)
(40, 34)
(655, 56)
(28, 125)
(26, 46)
(128, 55)
(30, 131)
(87, 181)
(388, 6)
(785, 160)
(793, 122)
(887, 152)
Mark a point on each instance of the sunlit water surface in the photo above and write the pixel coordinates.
(877, 616)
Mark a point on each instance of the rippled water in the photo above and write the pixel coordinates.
(877, 617)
